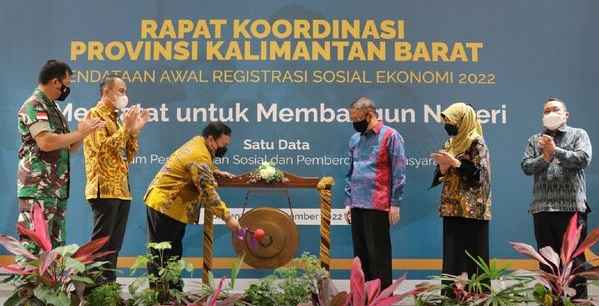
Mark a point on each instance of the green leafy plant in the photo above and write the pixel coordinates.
(106, 294)
(292, 285)
(159, 289)
(513, 289)
(51, 276)
(261, 293)
(297, 283)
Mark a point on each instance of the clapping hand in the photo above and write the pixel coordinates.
(135, 119)
(89, 124)
(547, 144)
(445, 160)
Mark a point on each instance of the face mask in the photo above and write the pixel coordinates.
(553, 120)
(220, 151)
(121, 102)
(361, 126)
(64, 92)
(451, 129)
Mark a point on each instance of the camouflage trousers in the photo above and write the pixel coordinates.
(54, 210)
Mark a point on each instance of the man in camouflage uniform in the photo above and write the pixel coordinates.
(46, 142)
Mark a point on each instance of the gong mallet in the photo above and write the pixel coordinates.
(258, 235)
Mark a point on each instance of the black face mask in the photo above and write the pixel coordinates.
(64, 92)
(451, 129)
(220, 151)
(361, 126)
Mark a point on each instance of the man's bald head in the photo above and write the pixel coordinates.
(363, 104)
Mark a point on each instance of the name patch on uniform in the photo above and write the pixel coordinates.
(42, 116)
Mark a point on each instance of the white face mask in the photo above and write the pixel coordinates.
(121, 102)
(553, 120)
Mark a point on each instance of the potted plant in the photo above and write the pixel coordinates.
(219, 295)
(554, 286)
(362, 293)
(159, 289)
(512, 288)
(52, 276)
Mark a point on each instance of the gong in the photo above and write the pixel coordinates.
(280, 241)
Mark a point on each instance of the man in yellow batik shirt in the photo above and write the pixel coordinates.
(185, 183)
(108, 153)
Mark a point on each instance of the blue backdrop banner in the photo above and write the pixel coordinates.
(281, 74)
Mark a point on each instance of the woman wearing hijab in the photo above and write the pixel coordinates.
(464, 169)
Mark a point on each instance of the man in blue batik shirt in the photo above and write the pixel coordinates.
(374, 186)
(556, 158)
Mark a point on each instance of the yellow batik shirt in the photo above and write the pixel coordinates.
(108, 152)
(185, 183)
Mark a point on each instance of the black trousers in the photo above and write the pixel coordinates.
(372, 243)
(549, 231)
(461, 235)
(163, 228)
(110, 219)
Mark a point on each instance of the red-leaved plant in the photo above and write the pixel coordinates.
(364, 293)
(557, 282)
(53, 276)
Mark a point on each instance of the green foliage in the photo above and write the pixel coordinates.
(291, 285)
(52, 296)
(261, 293)
(513, 289)
(161, 288)
(105, 295)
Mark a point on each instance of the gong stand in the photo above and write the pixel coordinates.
(323, 185)
(258, 190)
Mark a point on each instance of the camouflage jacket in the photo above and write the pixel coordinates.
(41, 174)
